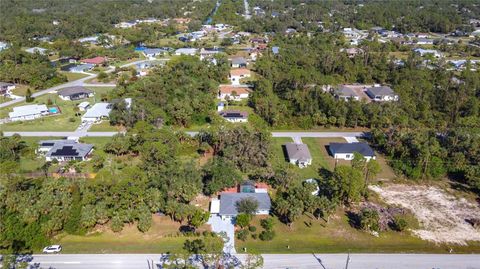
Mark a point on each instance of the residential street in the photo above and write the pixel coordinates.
(62, 134)
(310, 261)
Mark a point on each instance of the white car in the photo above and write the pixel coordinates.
(52, 249)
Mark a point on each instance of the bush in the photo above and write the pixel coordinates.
(116, 224)
(243, 220)
(72, 119)
(242, 235)
(369, 220)
(267, 224)
(267, 235)
(252, 229)
(400, 224)
(254, 236)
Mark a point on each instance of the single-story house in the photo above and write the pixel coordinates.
(69, 152)
(150, 53)
(83, 106)
(208, 53)
(38, 50)
(237, 74)
(423, 52)
(78, 68)
(424, 41)
(97, 112)
(275, 50)
(234, 116)
(233, 92)
(6, 87)
(220, 106)
(186, 51)
(346, 93)
(382, 94)
(95, 60)
(298, 154)
(345, 150)
(228, 203)
(3, 45)
(28, 112)
(239, 62)
(75, 93)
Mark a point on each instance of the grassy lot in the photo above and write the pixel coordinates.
(338, 236)
(73, 76)
(60, 122)
(20, 90)
(104, 126)
(162, 237)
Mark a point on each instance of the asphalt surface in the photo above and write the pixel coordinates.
(297, 135)
(62, 134)
(309, 261)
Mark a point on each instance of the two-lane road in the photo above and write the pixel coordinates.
(308, 261)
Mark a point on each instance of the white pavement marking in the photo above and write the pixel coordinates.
(351, 139)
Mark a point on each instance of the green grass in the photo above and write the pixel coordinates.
(104, 126)
(60, 122)
(337, 236)
(73, 76)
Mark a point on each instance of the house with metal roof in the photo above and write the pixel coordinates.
(345, 93)
(28, 112)
(75, 93)
(382, 94)
(186, 51)
(298, 154)
(68, 152)
(38, 50)
(345, 151)
(239, 62)
(154, 52)
(97, 112)
(77, 68)
(45, 146)
(228, 203)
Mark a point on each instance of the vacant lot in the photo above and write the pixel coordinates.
(162, 237)
(442, 216)
(73, 76)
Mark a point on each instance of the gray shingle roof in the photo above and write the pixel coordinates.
(239, 60)
(298, 152)
(345, 91)
(362, 148)
(228, 202)
(69, 91)
(380, 91)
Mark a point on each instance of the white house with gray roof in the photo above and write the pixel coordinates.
(382, 94)
(28, 112)
(61, 151)
(345, 93)
(345, 151)
(97, 112)
(298, 154)
(228, 203)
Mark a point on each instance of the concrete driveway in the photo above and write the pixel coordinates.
(227, 227)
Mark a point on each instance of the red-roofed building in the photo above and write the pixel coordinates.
(235, 93)
(96, 60)
(237, 74)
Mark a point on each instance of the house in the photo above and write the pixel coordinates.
(126, 24)
(239, 62)
(75, 93)
(3, 45)
(83, 106)
(28, 112)
(233, 92)
(38, 50)
(345, 150)
(89, 39)
(77, 68)
(275, 50)
(220, 106)
(227, 205)
(382, 94)
(346, 93)
(424, 52)
(154, 52)
(208, 53)
(237, 74)
(95, 60)
(6, 87)
(298, 154)
(97, 112)
(234, 116)
(424, 41)
(186, 51)
(69, 152)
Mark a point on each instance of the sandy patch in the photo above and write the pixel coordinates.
(442, 217)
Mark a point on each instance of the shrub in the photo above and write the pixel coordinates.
(243, 220)
(242, 235)
(267, 235)
(116, 224)
(252, 229)
(369, 220)
(254, 236)
(267, 224)
(72, 120)
(400, 223)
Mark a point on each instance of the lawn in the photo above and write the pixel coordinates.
(337, 236)
(104, 126)
(20, 90)
(64, 121)
(162, 237)
(73, 76)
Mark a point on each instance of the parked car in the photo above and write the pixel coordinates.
(52, 249)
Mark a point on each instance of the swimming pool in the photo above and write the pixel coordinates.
(53, 110)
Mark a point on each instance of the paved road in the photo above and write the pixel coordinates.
(247, 10)
(308, 261)
(62, 134)
(296, 135)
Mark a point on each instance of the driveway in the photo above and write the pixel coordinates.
(226, 226)
(351, 139)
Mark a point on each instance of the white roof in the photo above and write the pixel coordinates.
(186, 51)
(98, 110)
(21, 111)
(215, 206)
(84, 104)
(35, 49)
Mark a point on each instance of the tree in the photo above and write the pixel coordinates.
(199, 218)
(267, 224)
(372, 169)
(369, 220)
(252, 261)
(28, 96)
(195, 246)
(247, 206)
(243, 220)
